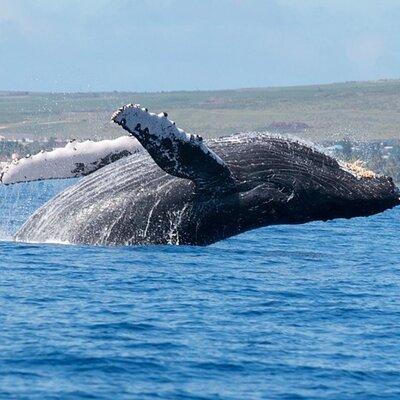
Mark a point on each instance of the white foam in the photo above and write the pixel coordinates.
(5, 237)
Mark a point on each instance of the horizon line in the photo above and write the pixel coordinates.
(381, 80)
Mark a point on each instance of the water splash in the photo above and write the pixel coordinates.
(4, 237)
(19, 201)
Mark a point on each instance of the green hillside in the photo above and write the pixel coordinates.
(363, 110)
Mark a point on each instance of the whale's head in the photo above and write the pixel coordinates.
(283, 181)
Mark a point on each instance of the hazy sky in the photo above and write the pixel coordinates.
(153, 45)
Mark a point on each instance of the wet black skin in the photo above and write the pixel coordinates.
(276, 181)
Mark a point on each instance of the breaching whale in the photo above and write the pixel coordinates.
(185, 190)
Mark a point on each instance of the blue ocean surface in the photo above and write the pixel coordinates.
(285, 312)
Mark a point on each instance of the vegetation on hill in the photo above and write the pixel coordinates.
(362, 110)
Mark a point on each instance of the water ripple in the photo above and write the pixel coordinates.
(301, 312)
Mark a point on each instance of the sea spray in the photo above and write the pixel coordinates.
(18, 202)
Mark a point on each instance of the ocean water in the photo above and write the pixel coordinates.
(285, 312)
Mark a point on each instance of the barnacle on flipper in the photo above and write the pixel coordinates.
(358, 169)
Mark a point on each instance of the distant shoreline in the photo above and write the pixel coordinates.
(323, 84)
(364, 111)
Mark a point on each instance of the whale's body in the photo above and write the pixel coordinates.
(275, 181)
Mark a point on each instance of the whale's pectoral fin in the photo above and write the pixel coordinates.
(74, 160)
(175, 151)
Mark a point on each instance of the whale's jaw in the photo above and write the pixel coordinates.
(281, 181)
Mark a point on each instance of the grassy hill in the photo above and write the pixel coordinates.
(363, 110)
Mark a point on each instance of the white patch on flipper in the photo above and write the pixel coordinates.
(131, 115)
(74, 160)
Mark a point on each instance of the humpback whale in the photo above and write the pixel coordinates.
(181, 189)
